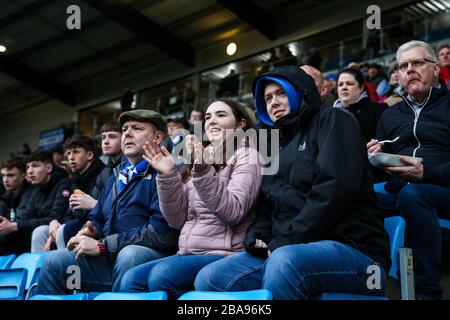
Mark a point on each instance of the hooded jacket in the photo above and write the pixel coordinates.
(322, 190)
(47, 202)
(425, 135)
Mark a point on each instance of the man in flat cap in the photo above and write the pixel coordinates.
(126, 227)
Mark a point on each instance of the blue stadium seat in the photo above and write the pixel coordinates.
(32, 262)
(395, 227)
(12, 284)
(156, 295)
(262, 294)
(77, 296)
(6, 261)
(444, 223)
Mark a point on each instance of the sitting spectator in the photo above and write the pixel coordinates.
(332, 84)
(229, 86)
(212, 208)
(318, 226)
(84, 162)
(378, 79)
(126, 227)
(353, 98)
(12, 203)
(49, 199)
(325, 96)
(111, 148)
(420, 191)
(196, 117)
(393, 95)
(444, 63)
(369, 86)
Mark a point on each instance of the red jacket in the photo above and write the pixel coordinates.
(444, 74)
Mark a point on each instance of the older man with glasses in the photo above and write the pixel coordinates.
(420, 191)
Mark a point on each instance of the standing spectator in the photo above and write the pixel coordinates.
(354, 99)
(419, 190)
(126, 227)
(12, 203)
(229, 86)
(189, 97)
(127, 99)
(212, 207)
(318, 226)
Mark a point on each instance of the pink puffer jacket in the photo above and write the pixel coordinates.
(212, 209)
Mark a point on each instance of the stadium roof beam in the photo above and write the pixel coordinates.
(37, 80)
(253, 15)
(146, 29)
(23, 11)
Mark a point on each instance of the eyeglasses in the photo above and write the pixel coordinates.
(416, 63)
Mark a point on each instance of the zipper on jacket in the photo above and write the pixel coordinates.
(416, 118)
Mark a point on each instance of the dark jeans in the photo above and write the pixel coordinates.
(421, 205)
(97, 273)
(295, 272)
(174, 274)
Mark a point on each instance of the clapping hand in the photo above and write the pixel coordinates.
(159, 158)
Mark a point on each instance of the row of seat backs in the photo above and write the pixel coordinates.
(19, 275)
(262, 294)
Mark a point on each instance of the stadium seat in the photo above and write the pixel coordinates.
(395, 227)
(444, 223)
(262, 294)
(157, 295)
(32, 262)
(12, 284)
(77, 296)
(6, 261)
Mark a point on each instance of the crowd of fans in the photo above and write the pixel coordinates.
(140, 216)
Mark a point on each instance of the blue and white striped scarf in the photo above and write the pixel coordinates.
(129, 172)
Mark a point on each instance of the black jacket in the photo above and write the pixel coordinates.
(17, 202)
(89, 182)
(426, 136)
(322, 190)
(367, 113)
(46, 202)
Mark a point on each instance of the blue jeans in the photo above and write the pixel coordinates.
(174, 274)
(421, 205)
(97, 273)
(294, 272)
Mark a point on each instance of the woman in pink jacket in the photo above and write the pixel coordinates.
(212, 205)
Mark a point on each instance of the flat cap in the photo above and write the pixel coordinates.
(144, 115)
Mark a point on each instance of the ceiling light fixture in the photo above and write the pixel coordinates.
(231, 48)
(2, 48)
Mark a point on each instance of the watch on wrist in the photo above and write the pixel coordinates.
(101, 246)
